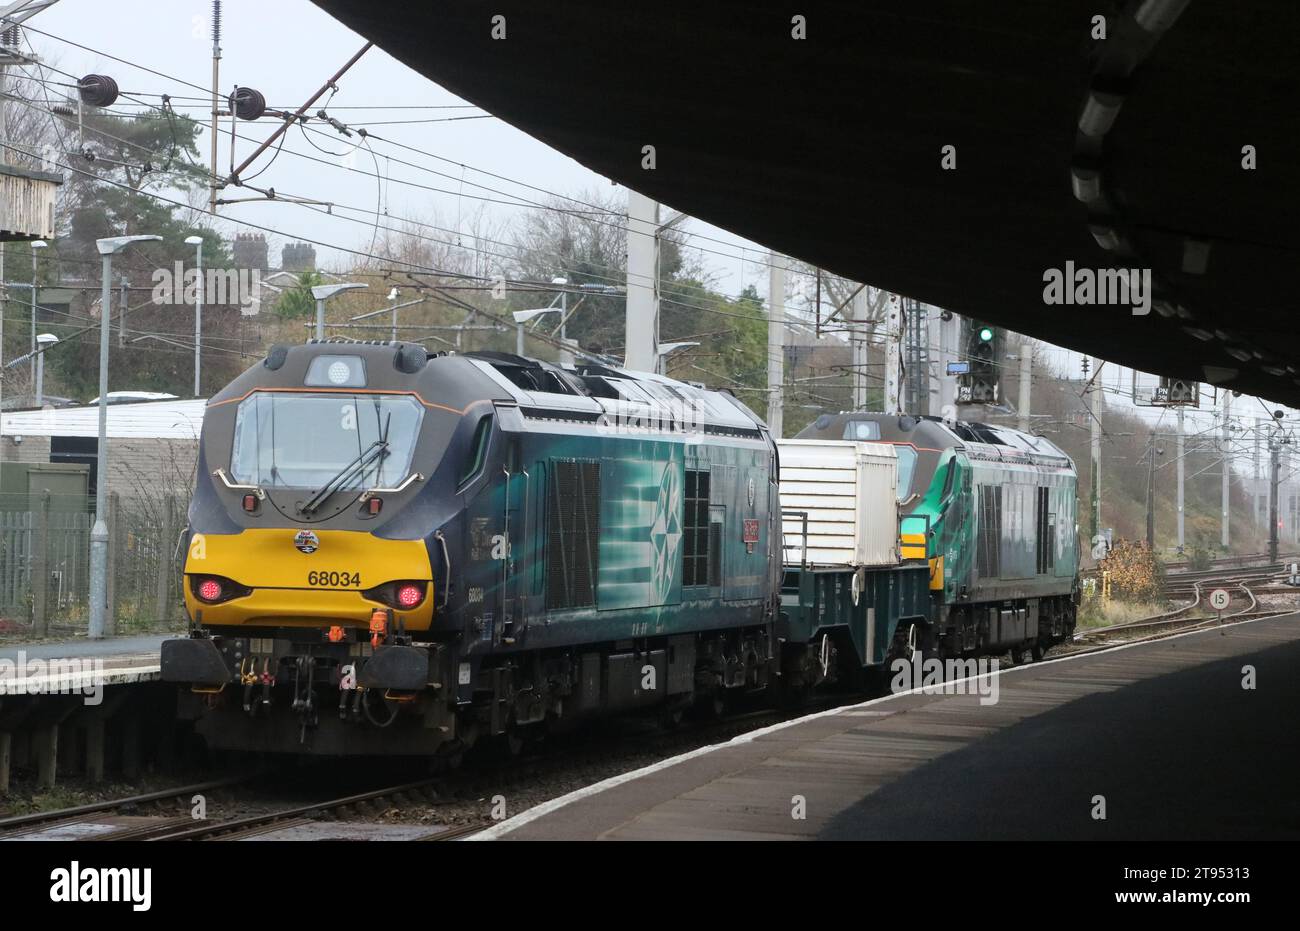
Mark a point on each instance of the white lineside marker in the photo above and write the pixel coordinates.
(1219, 599)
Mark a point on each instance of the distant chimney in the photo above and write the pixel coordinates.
(250, 251)
(298, 257)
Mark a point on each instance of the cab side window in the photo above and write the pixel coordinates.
(478, 450)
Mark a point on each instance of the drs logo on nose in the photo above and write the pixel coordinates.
(306, 541)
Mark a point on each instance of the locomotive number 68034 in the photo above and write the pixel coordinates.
(334, 579)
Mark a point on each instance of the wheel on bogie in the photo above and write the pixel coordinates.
(512, 744)
(1037, 651)
(447, 758)
(902, 646)
(1017, 655)
(792, 694)
(670, 717)
(710, 705)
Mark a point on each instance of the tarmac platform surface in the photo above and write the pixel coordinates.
(1165, 734)
(56, 665)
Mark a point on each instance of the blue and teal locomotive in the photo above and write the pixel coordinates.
(392, 552)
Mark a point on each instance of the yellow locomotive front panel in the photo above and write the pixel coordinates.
(287, 577)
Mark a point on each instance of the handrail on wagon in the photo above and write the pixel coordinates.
(803, 533)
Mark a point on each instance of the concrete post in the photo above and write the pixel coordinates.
(776, 346)
(1151, 491)
(1226, 460)
(1026, 379)
(1274, 460)
(858, 341)
(1181, 473)
(949, 337)
(110, 592)
(893, 355)
(69, 754)
(1255, 485)
(131, 746)
(4, 294)
(642, 325)
(95, 749)
(40, 575)
(1095, 470)
(45, 747)
(163, 606)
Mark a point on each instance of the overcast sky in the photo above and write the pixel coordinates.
(287, 49)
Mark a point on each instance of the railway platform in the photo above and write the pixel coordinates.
(60, 700)
(123, 651)
(1182, 738)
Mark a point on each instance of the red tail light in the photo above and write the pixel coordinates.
(409, 595)
(215, 589)
(403, 594)
(209, 590)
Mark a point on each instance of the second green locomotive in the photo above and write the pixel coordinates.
(995, 509)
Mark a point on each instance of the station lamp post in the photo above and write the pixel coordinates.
(665, 350)
(566, 357)
(36, 246)
(99, 532)
(522, 317)
(322, 293)
(197, 242)
(43, 342)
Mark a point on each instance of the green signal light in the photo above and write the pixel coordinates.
(986, 334)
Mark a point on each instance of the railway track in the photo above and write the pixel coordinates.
(120, 819)
(1226, 562)
(461, 794)
(289, 820)
(1185, 585)
(1180, 571)
(1178, 620)
(120, 816)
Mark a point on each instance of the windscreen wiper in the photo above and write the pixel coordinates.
(358, 465)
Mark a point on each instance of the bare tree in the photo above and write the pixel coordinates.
(837, 298)
(31, 127)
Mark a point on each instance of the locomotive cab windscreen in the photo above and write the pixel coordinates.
(323, 443)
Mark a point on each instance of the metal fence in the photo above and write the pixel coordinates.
(45, 564)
